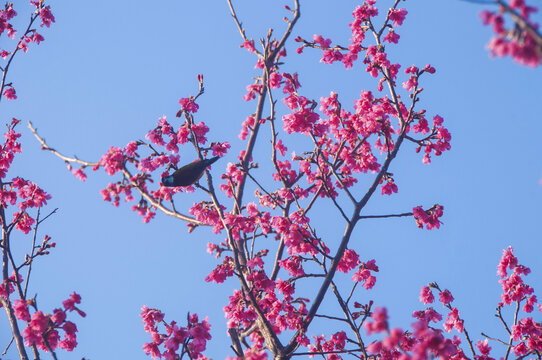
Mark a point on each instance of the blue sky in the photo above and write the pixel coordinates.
(108, 70)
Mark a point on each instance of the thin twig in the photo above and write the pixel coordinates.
(384, 216)
(492, 338)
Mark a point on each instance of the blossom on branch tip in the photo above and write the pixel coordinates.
(397, 16)
(46, 16)
(429, 218)
(9, 93)
(426, 295)
(389, 188)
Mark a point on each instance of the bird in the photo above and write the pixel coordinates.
(188, 174)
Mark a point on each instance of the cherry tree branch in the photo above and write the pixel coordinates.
(125, 172)
(240, 25)
(6, 304)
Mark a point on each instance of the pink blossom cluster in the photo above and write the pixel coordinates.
(188, 104)
(350, 261)
(428, 218)
(437, 142)
(343, 139)
(285, 174)
(389, 187)
(336, 343)
(26, 192)
(222, 271)
(415, 73)
(143, 209)
(249, 45)
(485, 349)
(238, 312)
(43, 329)
(26, 39)
(514, 289)
(45, 13)
(247, 125)
(176, 341)
(30, 36)
(377, 63)
(342, 136)
(32, 196)
(6, 15)
(521, 41)
(376, 60)
(280, 196)
(275, 80)
(303, 118)
(526, 331)
(295, 231)
(529, 334)
(10, 147)
(283, 312)
(364, 276)
(112, 161)
(253, 90)
(113, 191)
(7, 288)
(206, 213)
(239, 224)
(421, 343)
(445, 296)
(233, 176)
(10, 93)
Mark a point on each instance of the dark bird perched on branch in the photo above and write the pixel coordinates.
(188, 174)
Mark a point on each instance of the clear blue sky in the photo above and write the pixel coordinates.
(109, 69)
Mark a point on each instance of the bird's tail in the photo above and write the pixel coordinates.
(211, 160)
